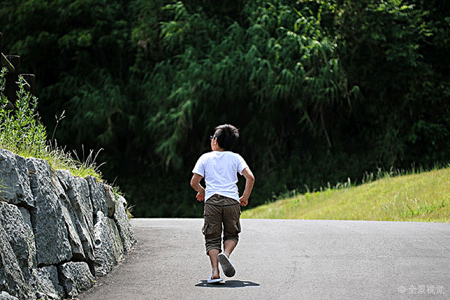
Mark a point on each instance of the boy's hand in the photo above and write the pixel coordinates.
(195, 183)
(200, 196)
(249, 181)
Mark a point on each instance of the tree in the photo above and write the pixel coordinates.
(322, 90)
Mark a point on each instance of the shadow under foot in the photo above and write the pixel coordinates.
(228, 284)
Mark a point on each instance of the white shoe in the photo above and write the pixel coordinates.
(227, 266)
(216, 280)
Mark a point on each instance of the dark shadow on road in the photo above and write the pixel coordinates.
(228, 284)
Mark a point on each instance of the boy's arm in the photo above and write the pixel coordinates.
(249, 181)
(195, 183)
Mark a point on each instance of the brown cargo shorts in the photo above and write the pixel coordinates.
(220, 210)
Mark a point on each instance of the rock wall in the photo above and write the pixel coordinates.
(57, 232)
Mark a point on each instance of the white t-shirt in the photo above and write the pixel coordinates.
(220, 172)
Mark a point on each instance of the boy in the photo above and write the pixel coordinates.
(220, 168)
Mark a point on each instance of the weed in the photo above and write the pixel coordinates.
(58, 119)
(20, 130)
(89, 162)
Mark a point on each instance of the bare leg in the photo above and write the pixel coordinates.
(214, 263)
(228, 247)
(227, 266)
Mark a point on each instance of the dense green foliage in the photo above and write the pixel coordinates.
(321, 90)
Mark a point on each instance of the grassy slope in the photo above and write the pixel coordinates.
(418, 197)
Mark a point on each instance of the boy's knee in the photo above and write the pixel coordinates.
(212, 243)
(234, 238)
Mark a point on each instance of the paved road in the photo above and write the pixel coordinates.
(286, 259)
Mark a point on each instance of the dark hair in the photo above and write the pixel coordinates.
(226, 136)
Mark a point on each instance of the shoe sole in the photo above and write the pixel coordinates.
(227, 266)
(214, 281)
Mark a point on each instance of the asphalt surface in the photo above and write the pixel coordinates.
(286, 259)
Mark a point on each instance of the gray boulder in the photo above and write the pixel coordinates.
(64, 182)
(69, 220)
(6, 296)
(110, 200)
(85, 214)
(47, 282)
(100, 200)
(19, 236)
(49, 225)
(76, 277)
(108, 245)
(123, 224)
(56, 230)
(14, 182)
(27, 219)
(12, 280)
(81, 214)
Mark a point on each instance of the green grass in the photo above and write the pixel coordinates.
(57, 159)
(423, 197)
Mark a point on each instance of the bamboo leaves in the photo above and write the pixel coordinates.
(282, 55)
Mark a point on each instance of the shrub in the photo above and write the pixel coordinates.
(20, 129)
